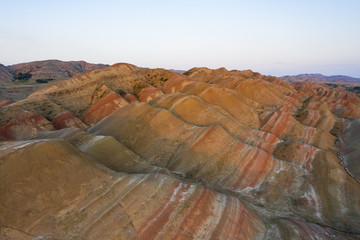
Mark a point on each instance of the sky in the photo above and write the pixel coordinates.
(273, 37)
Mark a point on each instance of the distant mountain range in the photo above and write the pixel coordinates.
(319, 78)
(46, 70)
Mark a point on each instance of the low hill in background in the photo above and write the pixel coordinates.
(46, 70)
(319, 78)
(20, 80)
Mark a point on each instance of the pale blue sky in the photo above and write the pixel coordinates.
(271, 37)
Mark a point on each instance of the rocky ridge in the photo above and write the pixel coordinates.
(131, 153)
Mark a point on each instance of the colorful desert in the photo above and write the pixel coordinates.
(180, 120)
(131, 153)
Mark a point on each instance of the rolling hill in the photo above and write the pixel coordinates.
(130, 153)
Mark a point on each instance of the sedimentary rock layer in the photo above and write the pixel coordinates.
(83, 200)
